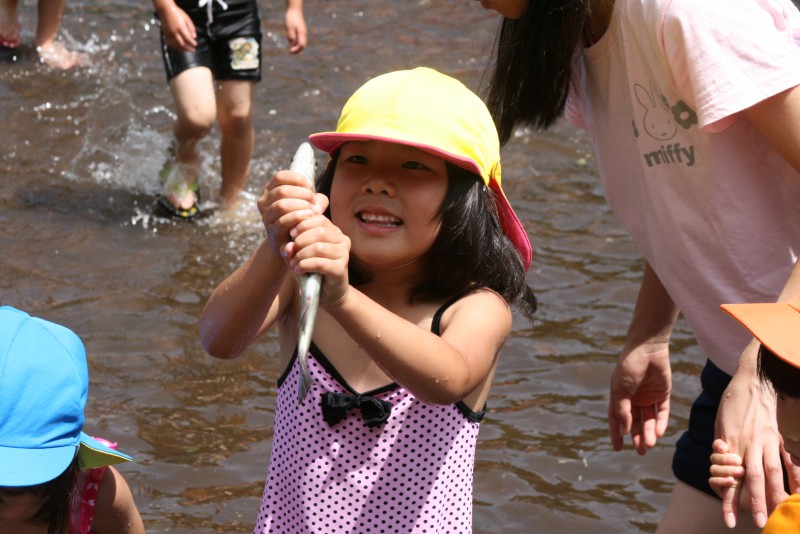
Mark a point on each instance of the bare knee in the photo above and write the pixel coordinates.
(195, 103)
(236, 119)
(194, 124)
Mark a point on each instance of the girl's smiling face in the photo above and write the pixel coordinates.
(386, 198)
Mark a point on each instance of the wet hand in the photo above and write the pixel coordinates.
(319, 246)
(286, 201)
(640, 391)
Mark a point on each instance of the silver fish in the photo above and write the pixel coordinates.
(305, 163)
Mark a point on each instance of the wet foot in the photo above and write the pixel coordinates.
(9, 25)
(183, 201)
(180, 182)
(59, 56)
(242, 209)
(180, 199)
(236, 202)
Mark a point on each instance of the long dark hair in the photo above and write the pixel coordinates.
(530, 78)
(471, 250)
(56, 496)
(781, 375)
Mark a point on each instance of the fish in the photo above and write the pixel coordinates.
(304, 162)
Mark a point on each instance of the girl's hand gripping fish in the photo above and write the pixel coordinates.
(305, 163)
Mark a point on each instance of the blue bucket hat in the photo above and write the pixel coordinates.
(44, 381)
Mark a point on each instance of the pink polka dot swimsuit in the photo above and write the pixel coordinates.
(410, 474)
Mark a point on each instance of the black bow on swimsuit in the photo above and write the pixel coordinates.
(374, 411)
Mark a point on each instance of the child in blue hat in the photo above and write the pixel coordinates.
(54, 478)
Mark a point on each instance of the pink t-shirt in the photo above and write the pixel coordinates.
(713, 208)
(411, 474)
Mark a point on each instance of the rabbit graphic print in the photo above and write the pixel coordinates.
(661, 121)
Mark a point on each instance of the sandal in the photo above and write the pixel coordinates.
(10, 44)
(189, 214)
(9, 48)
(172, 178)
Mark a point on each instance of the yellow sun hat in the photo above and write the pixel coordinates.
(428, 110)
(775, 324)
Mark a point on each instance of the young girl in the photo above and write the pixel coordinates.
(54, 479)
(421, 255)
(694, 112)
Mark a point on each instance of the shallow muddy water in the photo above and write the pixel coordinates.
(79, 158)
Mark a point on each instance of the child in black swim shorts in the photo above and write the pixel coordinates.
(208, 43)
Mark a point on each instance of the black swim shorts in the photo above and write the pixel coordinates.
(228, 43)
(692, 461)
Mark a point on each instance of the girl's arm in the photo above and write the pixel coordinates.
(115, 511)
(778, 119)
(177, 27)
(246, 304)
(262, 290)
(437, 369)
(642, 380)
(746, 420)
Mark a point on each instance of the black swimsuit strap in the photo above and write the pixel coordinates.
(475, 417)
(437, 317)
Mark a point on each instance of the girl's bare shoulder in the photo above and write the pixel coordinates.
(481, 306)
(116, 511)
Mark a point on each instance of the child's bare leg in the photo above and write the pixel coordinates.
(9, 23)
(55, 54)
(195, 105)
(235, 103)
(49, 14)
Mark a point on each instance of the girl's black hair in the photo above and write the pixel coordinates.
(471, 250)
(784, 377)
(56, 496)
(530, 79)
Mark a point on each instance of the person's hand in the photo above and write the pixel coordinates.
(640, 390)
(178, 29)
(287, 200)
(319, 246)
(298, 230)
(307, 240)
(296, 32)
(727, 473)
(746, 421)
